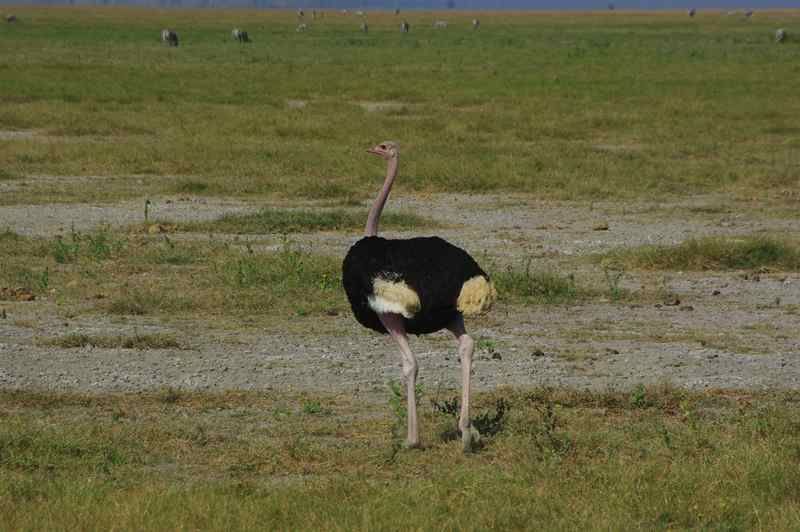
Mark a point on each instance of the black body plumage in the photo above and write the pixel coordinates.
(435, 269)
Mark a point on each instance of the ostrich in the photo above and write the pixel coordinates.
(170, 37)
(476, 24)
(240, 35)
(418, 286)
(11, 18)
(405, 27)
(364, 27)
(302, 27)
(780, 35)
(692, 12)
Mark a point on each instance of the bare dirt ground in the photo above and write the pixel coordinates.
(730, 330)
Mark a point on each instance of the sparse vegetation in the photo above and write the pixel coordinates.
(535, 286)
(178, 460)
(715, 253)
(137, 341)
(135, 274)
(297, 220)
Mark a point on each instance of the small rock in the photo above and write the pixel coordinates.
(610, 351)
(496, 356)
(602, 226)
(716, 293)
(538, 353)
(672, 302)
(688, 308)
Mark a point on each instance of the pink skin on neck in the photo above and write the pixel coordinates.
(380, 201)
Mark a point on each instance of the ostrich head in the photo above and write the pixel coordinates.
(387, 149)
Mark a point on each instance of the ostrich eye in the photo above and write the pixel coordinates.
(383, 146)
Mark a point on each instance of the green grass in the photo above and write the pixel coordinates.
(648, 459)
(299, 220)
(135, 274)
(560, 105)
(714, 253)
(523, 284)
(137, 341)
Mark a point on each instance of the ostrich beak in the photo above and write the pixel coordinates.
(373, 151)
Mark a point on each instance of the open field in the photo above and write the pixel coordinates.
(176, 351)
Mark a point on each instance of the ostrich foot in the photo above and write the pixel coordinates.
(411, 445)
(470, 439)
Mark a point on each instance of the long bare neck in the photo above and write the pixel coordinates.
(380, 201)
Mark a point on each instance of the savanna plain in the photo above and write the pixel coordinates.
(176, 351)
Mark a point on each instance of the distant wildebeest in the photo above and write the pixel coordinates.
(302, 27)
(611, 7)
(476, 24)
(780, 35)
(748, 14)
(405, 27)
(240, 35)
(11, 18)
(692, 12)
(396, 11)
(439, 24)
(364, 27)
(170, 37)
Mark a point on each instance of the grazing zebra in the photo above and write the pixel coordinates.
(780, 35)
(364, 27)
(405, 27)
(170, 37)
(439, 24)
(302, 27)
(692, 12)
(11, 18)
(476, 24)
(240, 35)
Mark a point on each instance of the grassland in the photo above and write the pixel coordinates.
(652, 459)
(627, 107)
(570, 106)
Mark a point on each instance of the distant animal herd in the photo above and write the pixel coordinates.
(170, 37)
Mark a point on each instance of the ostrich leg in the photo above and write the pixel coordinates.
(396, 327)
(469, 434)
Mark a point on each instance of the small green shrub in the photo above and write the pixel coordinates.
(536, 286)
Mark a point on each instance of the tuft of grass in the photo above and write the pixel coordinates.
(187, 186)
(137, 341)
(301, 220)
(149, 299)
(535, 286)
(8, 236)
(6, 175)
(713, 253)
